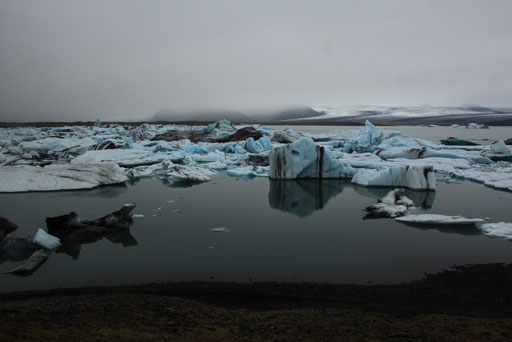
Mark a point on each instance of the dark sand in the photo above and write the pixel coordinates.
(472, 303)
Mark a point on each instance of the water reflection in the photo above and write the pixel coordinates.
(73, 247)
(303, 197)
(423, 199)
(462, 229)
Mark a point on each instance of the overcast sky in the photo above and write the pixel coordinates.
(78, 60)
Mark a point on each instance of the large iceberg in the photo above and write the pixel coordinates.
(59, 177)
(305, 159)
(419, 177)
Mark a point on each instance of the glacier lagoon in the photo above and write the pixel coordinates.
(302, 230)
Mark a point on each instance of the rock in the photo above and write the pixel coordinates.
(285, 137)
(45, 240)
(241, 134)
(6, 227)
(508, 141)
(16, 249)
(69, 227)
(38, 258)
(305, 159)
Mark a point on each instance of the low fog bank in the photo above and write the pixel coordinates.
(266, 115)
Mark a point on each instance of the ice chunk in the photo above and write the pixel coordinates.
(182, 173)
(392, 205)
(499, 230)
(366, 140)
(220, 230)
(59, 177)
(220, 128)
(261, 145)
(45, 240)
(438, 219)
(500, 148)
(305, 159)
(249, 171)
(414, 177)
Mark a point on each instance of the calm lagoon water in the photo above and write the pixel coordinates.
(290, 231)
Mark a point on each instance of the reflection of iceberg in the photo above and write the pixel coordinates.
(468, 229)
(105, 191)
(424, 199)
(303, 197)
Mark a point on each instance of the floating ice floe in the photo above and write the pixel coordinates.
(126, 157)
(498, 177)
(305, 159)
(392, 205)
(59, 177)
(438, 219)
(500, 230)
(45, 240)
(249, 171)
(220, 230)
(58, 144)
(415, 177)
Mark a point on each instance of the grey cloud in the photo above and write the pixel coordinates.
(78, 60)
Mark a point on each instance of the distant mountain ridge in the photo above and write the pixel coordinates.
(416, 115)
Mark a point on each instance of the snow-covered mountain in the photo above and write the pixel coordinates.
(414, 115)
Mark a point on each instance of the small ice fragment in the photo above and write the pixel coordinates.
(438, 219)
(211, 247)
(220, 230)
(46, 240)
(169, 201)
(137, 215)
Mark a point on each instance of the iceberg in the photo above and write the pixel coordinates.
(59, 177)
(261, 145)
(500, 230)
(45, 240)
(305, 159)
(439, 219)
(419, 177)
(390, 206)
(366, 140)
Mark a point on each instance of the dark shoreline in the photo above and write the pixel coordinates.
(481, 290)
(469, 303)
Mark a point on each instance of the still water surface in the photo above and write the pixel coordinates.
(291, 231)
